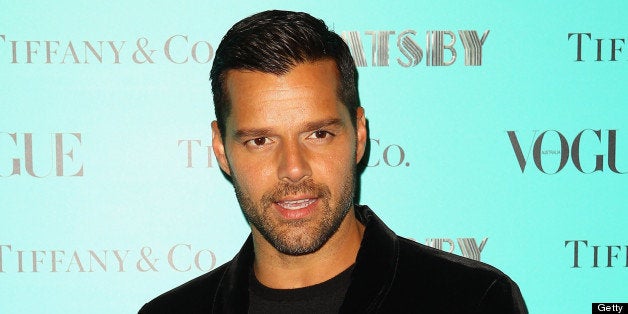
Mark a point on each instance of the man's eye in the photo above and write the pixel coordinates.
(320, 134)
(260, 141)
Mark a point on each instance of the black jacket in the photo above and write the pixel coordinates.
(391, 275)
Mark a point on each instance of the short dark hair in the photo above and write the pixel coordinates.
(274, 42)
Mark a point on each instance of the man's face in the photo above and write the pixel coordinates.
(291, 151)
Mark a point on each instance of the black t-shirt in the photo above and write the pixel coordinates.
(325, 297)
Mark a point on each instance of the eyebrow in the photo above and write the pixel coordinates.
(310, 126)
(333, 122)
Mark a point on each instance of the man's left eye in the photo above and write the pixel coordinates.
(320, 134)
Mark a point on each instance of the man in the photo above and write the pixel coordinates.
(290, 133)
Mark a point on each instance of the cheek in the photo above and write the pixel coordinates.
(252, 175)
(336, 166)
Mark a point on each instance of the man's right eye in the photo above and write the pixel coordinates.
(257, 142)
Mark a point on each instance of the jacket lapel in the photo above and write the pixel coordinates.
(375, 266)
(232, 295)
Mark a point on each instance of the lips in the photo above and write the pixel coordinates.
(296, 204)
(297, 208)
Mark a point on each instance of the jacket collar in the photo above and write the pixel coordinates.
(371, 279)
(375, 265)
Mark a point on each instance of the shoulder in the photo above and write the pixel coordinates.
(467, 284)
(417, 257)
(194, 296)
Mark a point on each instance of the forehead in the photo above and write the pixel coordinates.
(307, 87)
(319, 74)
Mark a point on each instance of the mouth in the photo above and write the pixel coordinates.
(295, 209)
(296, 204)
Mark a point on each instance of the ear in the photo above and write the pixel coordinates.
(219, 148)
(361, 133)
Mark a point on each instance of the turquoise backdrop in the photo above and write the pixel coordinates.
(515, 154)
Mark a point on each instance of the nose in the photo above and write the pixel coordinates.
(293, 163)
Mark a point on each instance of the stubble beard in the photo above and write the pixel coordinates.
(301, 236)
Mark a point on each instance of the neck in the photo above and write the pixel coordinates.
(281, 271)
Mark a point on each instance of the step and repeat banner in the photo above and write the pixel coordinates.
(498, 131)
